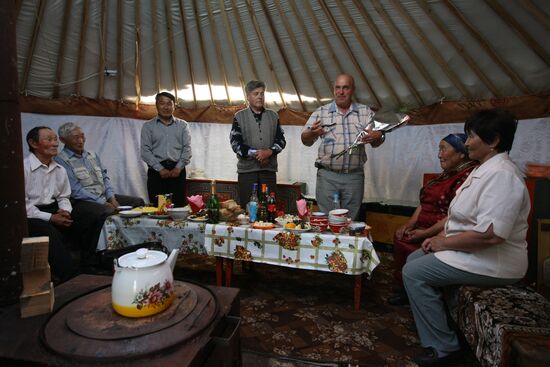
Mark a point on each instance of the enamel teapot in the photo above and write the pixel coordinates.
(143, 283)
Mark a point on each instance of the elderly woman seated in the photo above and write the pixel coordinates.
(429, 218)
(484, 239)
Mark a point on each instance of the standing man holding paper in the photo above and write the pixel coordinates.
(257, 138)
(166, 148)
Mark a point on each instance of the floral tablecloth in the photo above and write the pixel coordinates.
(120, 232)
(307, 250)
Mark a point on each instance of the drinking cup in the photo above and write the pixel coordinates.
(339, 212)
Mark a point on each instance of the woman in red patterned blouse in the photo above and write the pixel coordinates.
(435, 197)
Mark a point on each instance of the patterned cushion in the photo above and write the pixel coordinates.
(492, 318)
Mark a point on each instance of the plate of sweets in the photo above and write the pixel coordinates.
(297, 227)
(200, 216)
(282, 220)
(263, 225)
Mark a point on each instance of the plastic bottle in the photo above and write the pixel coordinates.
(252, 205)
(213, 205)
(335, 201)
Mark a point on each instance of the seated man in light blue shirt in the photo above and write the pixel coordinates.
(92, 195)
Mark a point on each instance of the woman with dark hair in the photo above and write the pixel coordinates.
(429, 217)
(484, 239)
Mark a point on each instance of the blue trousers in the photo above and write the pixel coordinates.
(425, 278)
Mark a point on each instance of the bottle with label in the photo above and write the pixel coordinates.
(252, 205)
(336, 201)
(213, 205)
(271, 208)
(262, 205)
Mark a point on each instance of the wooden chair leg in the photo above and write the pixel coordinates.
(228, 272)
(219, 270)
(357, 291)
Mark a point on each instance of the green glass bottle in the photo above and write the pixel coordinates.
(213, 205)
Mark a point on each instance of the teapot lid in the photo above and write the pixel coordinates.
(142, 258)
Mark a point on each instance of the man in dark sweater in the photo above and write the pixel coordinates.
(257, 138)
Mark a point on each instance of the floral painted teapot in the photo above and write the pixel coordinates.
(143, 283)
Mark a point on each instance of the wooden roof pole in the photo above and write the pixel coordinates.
(245, 41)
(171, 46)
(156, 45)
(264, 49)
(313, 49)
(388, 51)
(137, 52)
(516, 27)
(433, 52)
(61, 49)
(283, 54)
(201, 46)
(32, 45)
(102, 51)
(219, 55)
(412, 55)
(232, 44)
(119, 47)
(319, 32)
(352, 58)
(288, 30)
(119, 51)
(536, 13)
(81, 48)
(462, 51)
(188, 53)
(487, 47)
(365, 48)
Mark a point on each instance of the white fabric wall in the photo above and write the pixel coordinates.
(393, 171)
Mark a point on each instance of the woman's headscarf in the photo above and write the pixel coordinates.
(457, 141)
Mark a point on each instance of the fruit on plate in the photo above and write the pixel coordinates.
(290, 225)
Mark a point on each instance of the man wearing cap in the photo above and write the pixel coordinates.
(166, 148)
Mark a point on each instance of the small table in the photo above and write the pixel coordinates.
(353, 255)
(118, 232)
(19, 338)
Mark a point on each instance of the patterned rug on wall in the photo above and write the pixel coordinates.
(302, 315)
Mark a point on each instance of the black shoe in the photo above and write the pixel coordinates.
(429, 358)
(398, 299)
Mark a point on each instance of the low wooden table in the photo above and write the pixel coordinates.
(20, 342)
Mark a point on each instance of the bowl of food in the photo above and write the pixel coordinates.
(179, 213)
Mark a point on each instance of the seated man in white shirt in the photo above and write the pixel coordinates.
(92, 195)
(47, 192)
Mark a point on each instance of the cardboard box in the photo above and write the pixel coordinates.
(34, 253)
(37, 302)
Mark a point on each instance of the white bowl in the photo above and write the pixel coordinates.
(130, 213)
(339, 212)
(178, 213)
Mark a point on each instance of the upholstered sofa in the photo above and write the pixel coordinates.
(505, 326)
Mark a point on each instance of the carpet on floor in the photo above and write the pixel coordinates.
(306, 315)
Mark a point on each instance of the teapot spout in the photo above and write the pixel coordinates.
(172, 259)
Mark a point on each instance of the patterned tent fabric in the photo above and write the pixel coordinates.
(415, 56)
